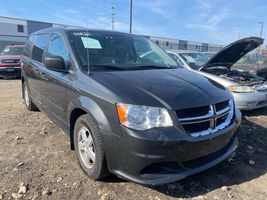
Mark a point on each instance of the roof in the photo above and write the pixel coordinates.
(210, 52)
(67, 29)
(181, 51)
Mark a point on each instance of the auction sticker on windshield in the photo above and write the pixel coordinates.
(91, 43)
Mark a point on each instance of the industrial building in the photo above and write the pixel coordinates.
(168, 43)
(15, 31)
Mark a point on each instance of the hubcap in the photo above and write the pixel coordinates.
(26, 96)
(86, 147)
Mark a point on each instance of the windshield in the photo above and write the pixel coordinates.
(194, 60)
(209, 55)
(102, 51)
(12, 51)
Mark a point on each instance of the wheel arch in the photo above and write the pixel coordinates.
(82, 106)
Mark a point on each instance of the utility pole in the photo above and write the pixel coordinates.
(131, 14)
(259, 49)
(238, 35)
(113, 17)
(261, 23)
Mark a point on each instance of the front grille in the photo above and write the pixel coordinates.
(221, 105)
(10, 61)
(205, 120)
(197, 127)
(193, 112)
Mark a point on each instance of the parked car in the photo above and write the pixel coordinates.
(10, 61)
(209, 54)
(126, 105)
(249, 90)
(254, 62)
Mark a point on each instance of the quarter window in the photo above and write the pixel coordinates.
(57, 47)
(38, 47)
(28, 46)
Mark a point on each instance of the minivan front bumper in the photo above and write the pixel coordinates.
(164, 155)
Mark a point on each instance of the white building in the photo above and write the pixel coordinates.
(169, 43)
(15, 31)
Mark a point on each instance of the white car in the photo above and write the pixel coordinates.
(249, 90)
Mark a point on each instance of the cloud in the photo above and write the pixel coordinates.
(159, 7)
(204, 4)
(209, 22)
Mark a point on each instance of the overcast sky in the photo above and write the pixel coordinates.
(212, 21)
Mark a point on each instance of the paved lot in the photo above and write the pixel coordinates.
(35, 158)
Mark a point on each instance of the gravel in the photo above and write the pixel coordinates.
(48, 168)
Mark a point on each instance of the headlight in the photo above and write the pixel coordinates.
(241, 89)
(143, 117)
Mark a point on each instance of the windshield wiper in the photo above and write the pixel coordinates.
(118, 67)
(147, 67)
(105, 67)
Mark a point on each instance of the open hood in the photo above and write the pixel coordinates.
(230, 54)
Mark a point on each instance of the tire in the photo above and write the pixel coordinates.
(27, 98)
(88, 140)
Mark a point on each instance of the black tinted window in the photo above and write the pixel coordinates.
(57, 47)
(38, 47)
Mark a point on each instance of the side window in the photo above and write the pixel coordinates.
(57, 47)
(28, 46)
(38, 47)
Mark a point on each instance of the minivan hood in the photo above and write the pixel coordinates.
(230, 54)
(170, 88)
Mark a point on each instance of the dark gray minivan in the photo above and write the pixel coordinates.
(126, 105)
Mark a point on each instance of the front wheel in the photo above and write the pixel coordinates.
(27, 98)
(89, 148)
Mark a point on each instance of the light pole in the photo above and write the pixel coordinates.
(261, 23)
(131, 14)
(259, 49)
(113, 17)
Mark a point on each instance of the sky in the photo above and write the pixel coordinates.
(211, 21)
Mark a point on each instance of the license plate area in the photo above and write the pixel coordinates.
(10, 69)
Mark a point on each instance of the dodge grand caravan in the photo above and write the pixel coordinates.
(126, 106)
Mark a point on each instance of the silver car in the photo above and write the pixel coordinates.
(249, 90)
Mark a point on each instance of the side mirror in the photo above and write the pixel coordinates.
(55, 63)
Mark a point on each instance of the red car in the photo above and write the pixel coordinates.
(10, 61)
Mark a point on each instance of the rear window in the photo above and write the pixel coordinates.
(9, 50)
(39, 46)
